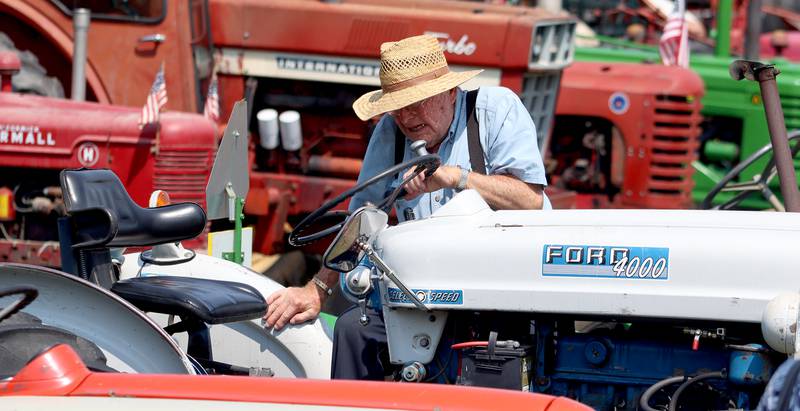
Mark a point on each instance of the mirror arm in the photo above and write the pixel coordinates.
(389, 273)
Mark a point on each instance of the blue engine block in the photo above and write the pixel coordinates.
(611, 370)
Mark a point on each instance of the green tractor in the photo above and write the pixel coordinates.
(734, 125)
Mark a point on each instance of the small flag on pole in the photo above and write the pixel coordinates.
(674, 43)
(211, 110)
(156, 100)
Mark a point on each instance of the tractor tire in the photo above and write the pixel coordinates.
(23, 337)
(32, 77)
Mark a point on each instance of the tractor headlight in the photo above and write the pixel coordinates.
(779, 322)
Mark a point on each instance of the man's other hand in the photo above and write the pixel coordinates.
(293, 305)
(445, 176)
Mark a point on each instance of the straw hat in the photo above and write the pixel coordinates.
(412, 70)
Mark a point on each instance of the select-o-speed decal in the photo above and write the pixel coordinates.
(454, 297)
(602, 261)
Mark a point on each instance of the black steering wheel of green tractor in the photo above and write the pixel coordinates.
(759, 185)
(27, 294)
(427, 163)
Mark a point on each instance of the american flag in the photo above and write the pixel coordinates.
(211, 110)
(156, 100)
(674, 43)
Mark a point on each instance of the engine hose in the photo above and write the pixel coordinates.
(469, 344)
(644, 401)
(673, 403)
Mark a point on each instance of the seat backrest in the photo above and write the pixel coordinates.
(86, 189)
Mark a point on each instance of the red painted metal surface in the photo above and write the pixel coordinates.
(9, 65)
(502, 35)
(45, 135)
(660, 127)
(784, 44)
(121, 69)
(60, 372)
(45, 253)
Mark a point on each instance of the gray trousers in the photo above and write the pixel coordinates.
(359, 352)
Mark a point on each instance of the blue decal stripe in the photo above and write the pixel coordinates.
(439, 297)
(591, 270)
(602, 276)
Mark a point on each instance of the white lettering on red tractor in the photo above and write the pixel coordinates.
(88, 153)
(319, 65)
(25, 135)
(461, 47)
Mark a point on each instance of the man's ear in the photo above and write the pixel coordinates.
(451, 95)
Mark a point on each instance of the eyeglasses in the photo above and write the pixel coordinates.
(415, 108)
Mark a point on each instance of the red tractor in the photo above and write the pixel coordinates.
(314, 58)
(39, 136)
(311, 57)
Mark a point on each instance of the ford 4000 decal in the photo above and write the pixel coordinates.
(559, 260)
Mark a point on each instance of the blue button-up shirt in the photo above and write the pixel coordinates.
(507, 135)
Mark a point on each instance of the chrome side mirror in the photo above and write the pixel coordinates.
(344, 253)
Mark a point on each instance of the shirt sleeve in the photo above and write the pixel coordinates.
(511, 143)
(379, 156)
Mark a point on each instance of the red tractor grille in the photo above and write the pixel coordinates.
(676, 138)
(183, 174)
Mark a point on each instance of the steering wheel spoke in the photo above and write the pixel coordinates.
(26, 295)
(745, 186)
(773, 199)
(733, 202)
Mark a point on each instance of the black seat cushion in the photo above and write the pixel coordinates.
(86, 189)
(212, 301)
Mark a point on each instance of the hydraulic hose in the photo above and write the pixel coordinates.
(469, 344)
(673, 403)
(644, 401)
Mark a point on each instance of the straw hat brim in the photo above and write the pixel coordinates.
(377, 102)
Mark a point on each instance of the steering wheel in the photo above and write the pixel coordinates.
(760, 184)
(28, 295)
(427, 163)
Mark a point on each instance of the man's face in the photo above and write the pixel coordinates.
(428, 119)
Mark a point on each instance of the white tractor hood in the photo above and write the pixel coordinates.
(723, 265)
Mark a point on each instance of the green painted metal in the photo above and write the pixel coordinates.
(721, 151)
(237, 256)
(328, 319)
(724, 20)
(726, 98)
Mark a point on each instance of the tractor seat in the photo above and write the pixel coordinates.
(131, 225)
(212, 301)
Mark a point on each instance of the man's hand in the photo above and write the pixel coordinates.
(293, 305)
(445, 176)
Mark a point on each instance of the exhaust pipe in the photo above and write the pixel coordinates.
(80, 23)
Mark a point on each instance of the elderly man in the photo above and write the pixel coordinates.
(420, 100)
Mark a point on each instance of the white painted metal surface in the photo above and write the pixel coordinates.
(296, 351)
(413, 334)
(131, 341)
(721, 265)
